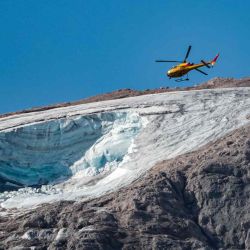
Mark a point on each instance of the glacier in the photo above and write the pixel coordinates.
(87, 150)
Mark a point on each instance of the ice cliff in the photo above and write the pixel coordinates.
(54, 150)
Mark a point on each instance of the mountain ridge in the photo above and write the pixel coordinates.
(123, 93)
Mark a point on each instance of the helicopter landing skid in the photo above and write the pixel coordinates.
(181, 80)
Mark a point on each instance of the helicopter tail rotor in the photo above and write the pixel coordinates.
(214, 60)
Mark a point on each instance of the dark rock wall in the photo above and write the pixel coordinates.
(199, 200)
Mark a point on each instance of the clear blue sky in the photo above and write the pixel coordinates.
(63, 50)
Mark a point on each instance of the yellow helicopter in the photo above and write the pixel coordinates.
(184, 67)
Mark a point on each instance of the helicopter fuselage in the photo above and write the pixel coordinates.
(182, 69)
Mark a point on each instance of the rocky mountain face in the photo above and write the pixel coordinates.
(162, 171)
(199, 200)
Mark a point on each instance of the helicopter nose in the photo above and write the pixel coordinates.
(168, 73)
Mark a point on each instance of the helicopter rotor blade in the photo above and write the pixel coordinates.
(205, 64)
(166, 61)
(187, 54)
(204, 73)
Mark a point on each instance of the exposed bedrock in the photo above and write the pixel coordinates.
(200, 200)
(47, 152)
